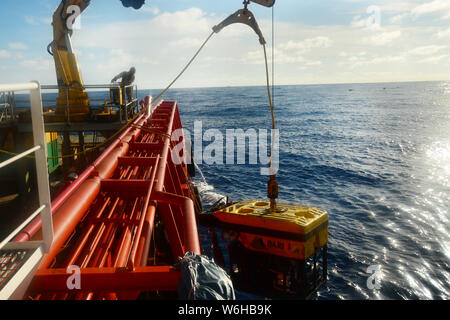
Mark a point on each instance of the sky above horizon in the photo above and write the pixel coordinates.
(316, 41)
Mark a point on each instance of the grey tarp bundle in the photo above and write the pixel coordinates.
(202, 279)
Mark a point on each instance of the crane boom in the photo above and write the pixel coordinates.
(70, 82)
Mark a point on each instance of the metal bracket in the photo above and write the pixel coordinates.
(266, 3)
(244, 16)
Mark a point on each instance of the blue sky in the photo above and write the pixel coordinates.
(317, 41)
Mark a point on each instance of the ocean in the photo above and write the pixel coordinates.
(376, 157)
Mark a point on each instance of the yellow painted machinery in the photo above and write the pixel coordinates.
(281, 253)
(70, 83)
(72, 96)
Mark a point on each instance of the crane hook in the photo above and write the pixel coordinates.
(244, 16)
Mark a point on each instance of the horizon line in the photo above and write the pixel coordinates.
(303, 84)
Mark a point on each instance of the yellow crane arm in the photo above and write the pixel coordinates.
(70, 82)
(68, 74)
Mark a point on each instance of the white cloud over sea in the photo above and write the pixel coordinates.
(410, 44)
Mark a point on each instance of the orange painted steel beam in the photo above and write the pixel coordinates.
(68, 216)
(148, 197)
(131, 185)
(160, 278)
(192, 243)
(106, 225)
(149, 146)
(36, 224)
(137, 161)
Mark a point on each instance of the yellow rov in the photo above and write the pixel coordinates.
(280, 253)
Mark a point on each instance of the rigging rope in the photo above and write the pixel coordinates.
(270, 96)
(273, 54)
(185, 68)
(272, 184)
(272, 188)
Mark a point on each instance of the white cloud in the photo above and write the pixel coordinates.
(306, 45)
(383, 38)
(4, 54)
(159, 47)
(402, 10)
(395, 7)
(359, 22)
(426, 50)
(117, 59)
(31, 20)
(443, 33)
(186, 43)
(435, 59)
(46, 20)
(38, 64)
(152, 10)
(386, 60)
(17, 46)
(399, 18)
(34, 21)
(313, 63)
(180, 22)
(436, 7)
(281, 57)
(431, 7)
(292, 52)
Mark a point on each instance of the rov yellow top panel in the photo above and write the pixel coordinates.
(305, 219)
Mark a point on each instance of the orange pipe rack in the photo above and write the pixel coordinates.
(104, 225)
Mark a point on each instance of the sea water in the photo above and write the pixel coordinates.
(375, 156)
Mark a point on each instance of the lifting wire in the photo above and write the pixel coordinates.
(185, 68)
(241, 16)
(273, 55)
(272, 185)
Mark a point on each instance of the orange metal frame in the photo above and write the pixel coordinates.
(105, 221)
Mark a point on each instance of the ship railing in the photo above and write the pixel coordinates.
(126, 107)
(7, 107)
(131, 105)
(24, 257)
(10, 104)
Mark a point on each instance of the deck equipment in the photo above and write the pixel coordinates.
(280, 254)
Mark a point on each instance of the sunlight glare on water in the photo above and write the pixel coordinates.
(375, 156)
